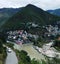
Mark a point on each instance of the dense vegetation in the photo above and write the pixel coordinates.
(30, 13)
(1, 47)
(57, 44)
(52, 60)
(6, 13)
(2, 52)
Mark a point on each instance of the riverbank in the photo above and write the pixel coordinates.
(11, 58)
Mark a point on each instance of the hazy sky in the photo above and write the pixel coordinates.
(44, 4)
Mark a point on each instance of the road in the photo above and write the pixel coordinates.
(11, 58)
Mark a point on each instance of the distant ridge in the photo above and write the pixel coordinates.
(6, 13)
(55, 12)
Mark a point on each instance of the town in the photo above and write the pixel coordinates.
(22, 36)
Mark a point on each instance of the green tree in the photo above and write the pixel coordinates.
(24, 58)
(33, 61)
(1, 47)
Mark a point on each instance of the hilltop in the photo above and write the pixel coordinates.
(30, 14)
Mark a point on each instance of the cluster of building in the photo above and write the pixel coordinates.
(20, 36)
(52, 30)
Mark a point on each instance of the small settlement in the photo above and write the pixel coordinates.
(19, 36)
(52, 30)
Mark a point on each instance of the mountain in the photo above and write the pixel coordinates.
(55, 12)
(30, 14)
(5, 13)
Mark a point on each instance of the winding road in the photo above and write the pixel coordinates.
(11, 58)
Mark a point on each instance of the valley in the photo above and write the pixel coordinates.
(31, 36)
